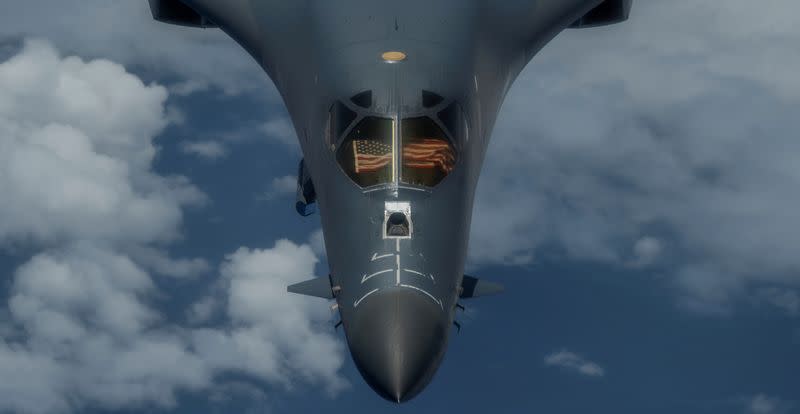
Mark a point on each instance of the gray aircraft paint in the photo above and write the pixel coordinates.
(397, 297)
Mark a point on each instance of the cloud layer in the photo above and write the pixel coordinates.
(76, 151)
(85, 325)
(124, 31)
(669, 142)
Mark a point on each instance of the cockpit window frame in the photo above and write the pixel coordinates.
(431, 113)
(428, 172)
(351, 156)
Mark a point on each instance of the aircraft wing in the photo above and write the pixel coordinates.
(319, 287)
(472, 287)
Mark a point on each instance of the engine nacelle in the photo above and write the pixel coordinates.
(607, 13)
(177, 13)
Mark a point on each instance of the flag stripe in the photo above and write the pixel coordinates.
(429, 153)
(371, 155)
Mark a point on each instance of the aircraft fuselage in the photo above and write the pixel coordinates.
(394, 145)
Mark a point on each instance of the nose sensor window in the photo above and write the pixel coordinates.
(397, 225)
(397, 220)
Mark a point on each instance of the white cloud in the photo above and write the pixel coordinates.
(279, 187)
(763, 404)
(161, 263)
(677, 126)
(85, 313)
(31, 390)
(202, 310)
(125, 32)
(646, 250)
(84, 329)
(284, 185)
(189, 87)
(574, 363)
(93, 339)
(76, 153)
(175, 115)
(317, 242)
(6, 329)
(281, 130)
(210, 150)
(81, 280)
(277, 334)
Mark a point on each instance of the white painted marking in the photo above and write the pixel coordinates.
(394, 150)
(421, 274)
(355, 304)
(365, 277)
(376, 257)
(398, 269)
(397, 248)
(438, 302)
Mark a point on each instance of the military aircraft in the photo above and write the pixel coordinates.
(393, 103)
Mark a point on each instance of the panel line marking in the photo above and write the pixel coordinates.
(421, 274)
(398, 269)
(438, 302)
(365, 277)
(355, 304)
(376, 257)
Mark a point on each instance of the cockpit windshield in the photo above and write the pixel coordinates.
(428, 155)
(367, 153)
(417, 152)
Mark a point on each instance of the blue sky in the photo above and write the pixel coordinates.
(638, 202)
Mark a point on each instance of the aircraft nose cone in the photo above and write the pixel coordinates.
(397, 339)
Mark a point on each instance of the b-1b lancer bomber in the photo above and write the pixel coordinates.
(393, 103)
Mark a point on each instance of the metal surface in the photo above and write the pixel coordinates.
(453, 62)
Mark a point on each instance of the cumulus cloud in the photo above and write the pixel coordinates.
(125, 32)
(160, 262)
(203, 310)
(646, 250)
(675, 129)
(92, 337)
(275, 332)
(189, 87)
(279, 187)
(210, 150)
(85, 314)
(31, 390)
(83, 327)
(281, 130)
(76, 153)
(317, 242)
(284, 185)
(573, 362)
